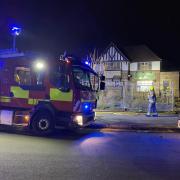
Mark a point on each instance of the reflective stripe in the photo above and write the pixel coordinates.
(35, 101)
(32, 101)
(5, 99)
(57, 95)
(77, 106)
(19, 92)
(85, 100)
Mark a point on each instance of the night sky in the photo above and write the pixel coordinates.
(78, 26)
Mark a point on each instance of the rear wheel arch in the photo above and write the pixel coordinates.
(43, 106)
(43, 123)
(41, 109)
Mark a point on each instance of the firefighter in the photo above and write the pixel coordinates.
(17, 79)
(152, 103)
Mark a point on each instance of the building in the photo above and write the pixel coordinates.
(114, 64)
(145, 70)
(145, 67)
(129, 74)
(138, 65)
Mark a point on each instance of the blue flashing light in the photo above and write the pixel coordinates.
(16, 31)
(88, 63)
(87, 106)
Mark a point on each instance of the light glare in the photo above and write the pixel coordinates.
(40, 65)
(16, 31)
(79, 120)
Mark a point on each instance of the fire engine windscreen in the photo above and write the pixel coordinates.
(85, 79)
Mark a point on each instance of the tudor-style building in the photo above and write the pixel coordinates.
(138, 62)
(114, 64)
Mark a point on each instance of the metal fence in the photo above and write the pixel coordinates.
(127, 96)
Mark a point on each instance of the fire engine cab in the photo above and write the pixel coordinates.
(43, 94)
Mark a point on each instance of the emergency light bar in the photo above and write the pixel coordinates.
(16, 31)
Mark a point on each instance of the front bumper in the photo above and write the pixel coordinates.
(83, 120)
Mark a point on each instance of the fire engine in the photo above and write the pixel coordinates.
(42, 94)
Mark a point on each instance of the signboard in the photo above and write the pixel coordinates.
(144, 76)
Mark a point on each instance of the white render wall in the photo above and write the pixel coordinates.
(134, 66)
(125, 66)
(156, 65)
(99, 68)
(110, 74)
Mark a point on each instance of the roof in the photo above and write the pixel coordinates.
(9, 53)
(112, 53)
(141, 53)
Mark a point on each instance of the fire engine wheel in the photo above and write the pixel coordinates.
(43, 124)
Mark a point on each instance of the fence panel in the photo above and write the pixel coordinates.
(126, 96)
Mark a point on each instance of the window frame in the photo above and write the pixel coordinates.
(33, 85)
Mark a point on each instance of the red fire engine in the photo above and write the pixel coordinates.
(44, 94)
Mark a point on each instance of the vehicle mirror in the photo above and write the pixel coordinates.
(102, 78)
(102, 85)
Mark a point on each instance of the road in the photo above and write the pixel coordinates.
(90, 155)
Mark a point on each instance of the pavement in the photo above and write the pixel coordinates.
(114, 120)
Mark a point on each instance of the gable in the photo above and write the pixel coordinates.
(112, 53)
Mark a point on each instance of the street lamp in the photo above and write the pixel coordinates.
(15, 31)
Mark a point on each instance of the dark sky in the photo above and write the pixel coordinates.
(78, 26)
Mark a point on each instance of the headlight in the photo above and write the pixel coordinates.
(79, 120)
(26, 118)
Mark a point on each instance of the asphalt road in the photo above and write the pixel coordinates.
(90, 155)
